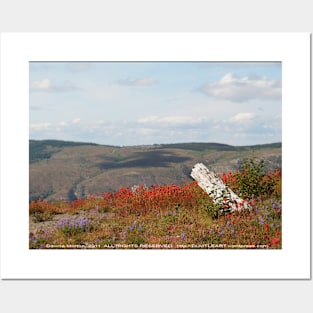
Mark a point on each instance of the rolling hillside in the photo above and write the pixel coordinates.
(72, 170)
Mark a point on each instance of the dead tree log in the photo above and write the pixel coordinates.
(221, 195)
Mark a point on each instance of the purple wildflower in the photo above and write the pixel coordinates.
(75, 225)
(133, 226)
(83, 223)
(276, 206)
(221, 232)
(261, 220)
(140, 227)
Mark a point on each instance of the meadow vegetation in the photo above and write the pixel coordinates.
(165, 216)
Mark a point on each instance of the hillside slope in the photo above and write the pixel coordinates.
(73, 170)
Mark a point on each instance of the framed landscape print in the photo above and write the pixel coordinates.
(113, 145)
(160, 156)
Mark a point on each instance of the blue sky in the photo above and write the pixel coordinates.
(135, 103)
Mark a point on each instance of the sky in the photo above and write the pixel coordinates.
(143, 103)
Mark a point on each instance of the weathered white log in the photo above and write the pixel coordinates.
(221, 195)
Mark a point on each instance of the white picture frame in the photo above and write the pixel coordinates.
(291, 262)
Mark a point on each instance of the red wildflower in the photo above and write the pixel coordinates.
(274, 241)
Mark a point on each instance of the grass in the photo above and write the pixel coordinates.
(166, 216)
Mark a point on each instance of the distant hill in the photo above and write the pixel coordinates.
(74, 169)
(44, 149)
(201, 146)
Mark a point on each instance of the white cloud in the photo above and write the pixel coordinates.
(47, 85)
(240, 129)
(171, 120)
(146, 131)
(144, 82)
(243, 117)
(41, 85)
(76, 120)
(242, 89)
(39, 126)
